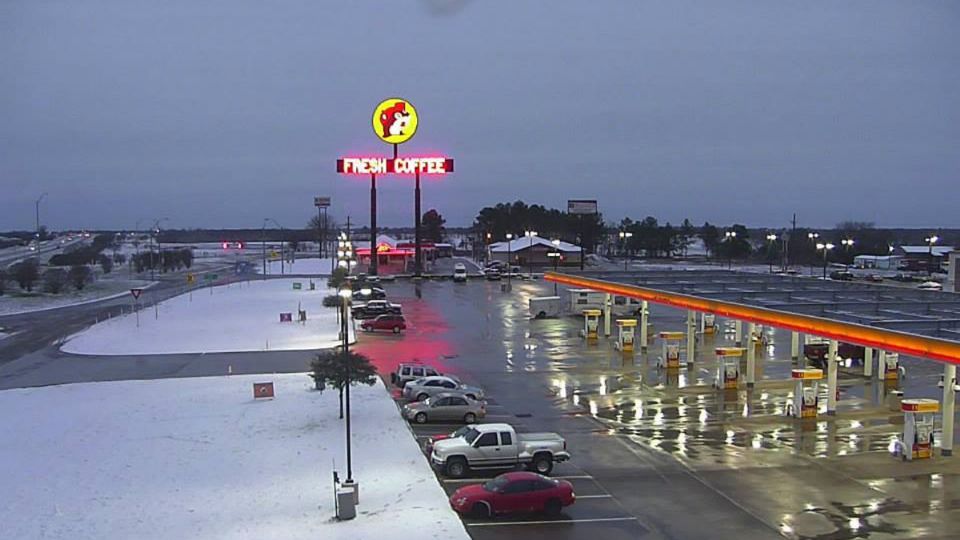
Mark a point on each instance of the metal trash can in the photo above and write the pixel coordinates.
(346, 507)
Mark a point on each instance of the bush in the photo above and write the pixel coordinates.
(106, 263)
(26, 273)
(54, 280)
(79, 275)
(337, 278)
(331, 300)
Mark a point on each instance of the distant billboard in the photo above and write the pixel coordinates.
(581, 206)
(321, 202)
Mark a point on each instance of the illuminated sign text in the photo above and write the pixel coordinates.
(413, 165)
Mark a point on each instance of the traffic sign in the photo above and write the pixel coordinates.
(191, 278)
(210, 277)
(136, 293)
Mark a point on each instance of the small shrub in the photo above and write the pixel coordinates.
(54, 280)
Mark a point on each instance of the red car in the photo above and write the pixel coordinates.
(514, 492)
(389, 321)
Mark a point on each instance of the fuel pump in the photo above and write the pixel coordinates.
(626, 330)
(709, 321)
(806, 398)
(591, 323)
(891, 366)
(670, 357)
(728, 367)
(918, 416)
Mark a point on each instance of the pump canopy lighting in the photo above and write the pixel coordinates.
(378, 165)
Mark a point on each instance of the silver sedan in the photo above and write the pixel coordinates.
(421, 389)
(445, 406)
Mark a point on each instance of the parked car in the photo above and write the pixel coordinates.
(930, 286)
(498, 446)
(409, 372)
(394, 323)
(841, 275)
(366, 294)
(459, 272)
(374, 308)
(445, 406)
(875, 278)
(514, 492)
(492, 274)
(421, 389)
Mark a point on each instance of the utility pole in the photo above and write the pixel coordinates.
(38, 218)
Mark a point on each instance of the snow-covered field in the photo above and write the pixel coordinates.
(238, 317)
(110, 286)
(312, 266)
(199, 458)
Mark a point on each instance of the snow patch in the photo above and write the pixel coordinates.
(199, 458)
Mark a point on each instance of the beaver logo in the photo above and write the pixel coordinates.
(395, 121)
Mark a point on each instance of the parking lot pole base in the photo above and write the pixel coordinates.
(355, 487)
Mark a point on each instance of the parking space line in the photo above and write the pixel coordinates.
(549, 522)
(606, 496)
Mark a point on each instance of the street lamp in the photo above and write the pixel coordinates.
(930, 240)
(37, 207)
(530, 235)
(282, 238)
(509, 259)
(156, 241)
(728, 237)
(624, 236)
(847, 244)
(345, 294)
(826, 249)
(813, 238)
(771, 238)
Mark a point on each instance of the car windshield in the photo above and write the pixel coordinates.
(461, 432)
(496, 484)
(471, 435)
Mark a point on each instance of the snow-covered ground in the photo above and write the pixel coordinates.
(310, 266)
(242, 316)
(110, 286)
(199, 458)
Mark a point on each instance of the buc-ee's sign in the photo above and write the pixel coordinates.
(413, 165)
(395, 121)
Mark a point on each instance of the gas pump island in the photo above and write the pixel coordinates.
(670, 357)
(728, 367)
(626, 330)
(918, 416)
(806, 399)
(591, 324)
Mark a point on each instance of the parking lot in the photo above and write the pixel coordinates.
(663, 455)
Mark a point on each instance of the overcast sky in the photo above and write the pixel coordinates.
(220, 113)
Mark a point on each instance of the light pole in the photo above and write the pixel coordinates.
(624, 238)
(847, 243)
(771, 238)
(728, 237)
(345, 295)
(282, 238)
(37, 207)
(826, 249)
(812, 236)
(509, 259)
(556, 260)
(930, 240)
(156, 242)
(530, 235)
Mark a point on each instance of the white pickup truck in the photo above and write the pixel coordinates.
(497, 446)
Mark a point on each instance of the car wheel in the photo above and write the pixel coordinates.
(542, 464)
(420, 418)
(542, 315)
(471, 396)
(469, 418)
(456, 467)
(552, 507)
(396, 329)
(422, 397)
(480, 510)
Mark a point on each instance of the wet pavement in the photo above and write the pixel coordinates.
(666, 454)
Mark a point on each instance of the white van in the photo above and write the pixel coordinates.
(459, 272)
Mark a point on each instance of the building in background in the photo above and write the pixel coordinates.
(533, 251)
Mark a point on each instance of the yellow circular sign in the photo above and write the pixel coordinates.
(395, 121)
